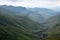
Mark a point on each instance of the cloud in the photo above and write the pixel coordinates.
(32, 3)
(13, 0)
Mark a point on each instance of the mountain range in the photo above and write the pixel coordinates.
(20, 23)
(35, 14)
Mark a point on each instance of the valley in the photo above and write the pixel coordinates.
(20, 23)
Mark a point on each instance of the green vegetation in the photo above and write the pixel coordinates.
(53, 37)
(17, 27)
(54, 31)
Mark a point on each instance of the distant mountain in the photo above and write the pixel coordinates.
(45, 12)
(35, 14)
(54, 28)
(17, 27)
(24, 11)
(57, 9)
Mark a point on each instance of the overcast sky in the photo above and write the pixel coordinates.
(32, 3)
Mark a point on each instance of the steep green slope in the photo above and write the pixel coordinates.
(17, 27)
(54, 29)
(8, 33)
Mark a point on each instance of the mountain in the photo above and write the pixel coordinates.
(24, 11)
(53, 28)
(23, 20)
(20, 23)
(45, 12)
(35, 14)
(18, 27)
(52, 21)
(57, 9)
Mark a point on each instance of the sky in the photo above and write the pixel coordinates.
(32, 3)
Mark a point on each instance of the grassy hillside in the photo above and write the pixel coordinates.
(17, 27)
(54, 29)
